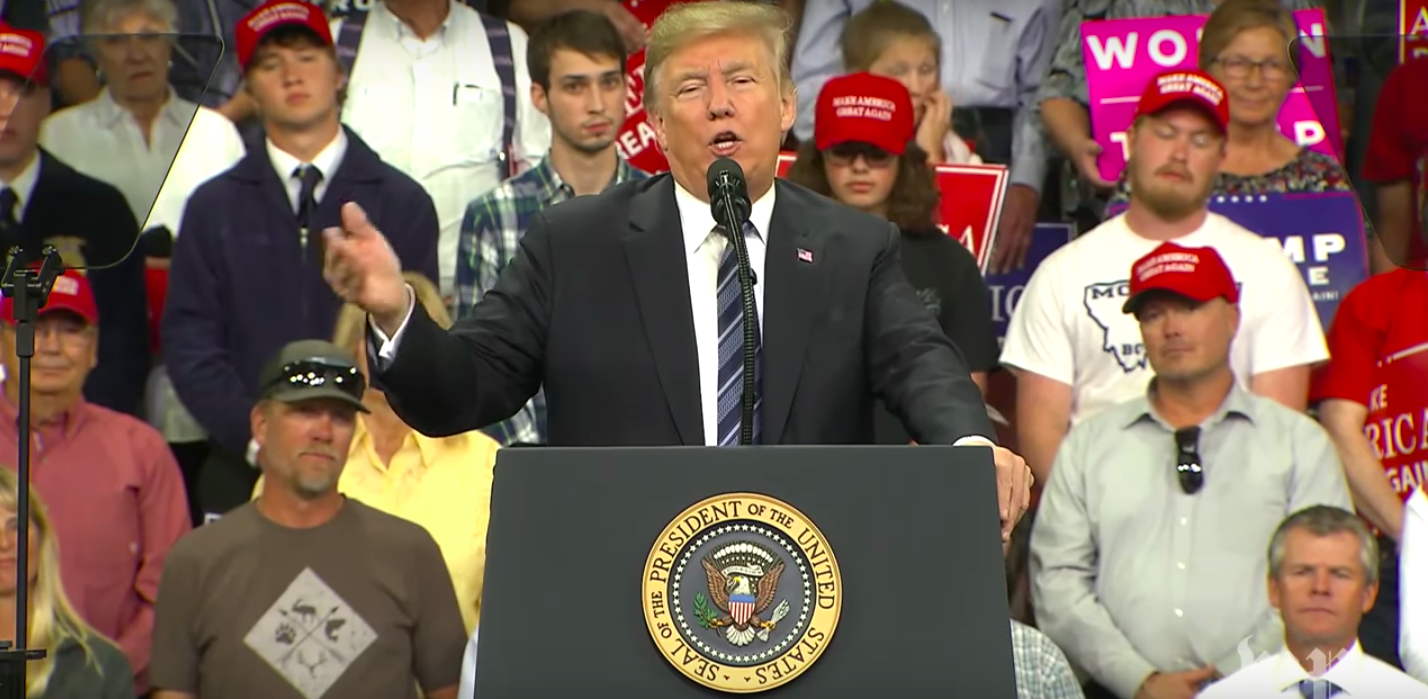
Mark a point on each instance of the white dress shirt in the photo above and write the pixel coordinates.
(1357, 674)
(326, 161)
(24, 186)
(702, 250)
(1413, 575)
(433, 109)
(187, 146)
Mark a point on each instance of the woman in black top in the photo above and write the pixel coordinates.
(863, 155)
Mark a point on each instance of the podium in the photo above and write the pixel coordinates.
(792, 572)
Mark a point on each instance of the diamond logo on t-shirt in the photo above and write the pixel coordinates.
(310, 636)
(1120, 334)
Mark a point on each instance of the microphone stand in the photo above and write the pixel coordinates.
(734, 227)
(29, 287)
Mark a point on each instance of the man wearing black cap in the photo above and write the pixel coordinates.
(302, 592)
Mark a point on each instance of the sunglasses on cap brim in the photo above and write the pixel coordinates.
(318, 372)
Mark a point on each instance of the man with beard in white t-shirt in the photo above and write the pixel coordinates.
(1074, 352)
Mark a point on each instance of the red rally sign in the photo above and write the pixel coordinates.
(971, 205)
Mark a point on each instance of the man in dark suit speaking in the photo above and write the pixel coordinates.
(623, 304)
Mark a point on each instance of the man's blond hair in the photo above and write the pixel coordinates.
(687, 22)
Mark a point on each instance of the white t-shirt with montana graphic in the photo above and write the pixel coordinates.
(1069, 325)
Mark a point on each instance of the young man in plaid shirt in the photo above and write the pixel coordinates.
(577, 68)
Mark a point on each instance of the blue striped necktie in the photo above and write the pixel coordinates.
(731, 349)
(1318, 689)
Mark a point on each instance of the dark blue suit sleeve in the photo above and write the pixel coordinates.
(417, 248)
(118, 379)
(195, 336)
(919, 374)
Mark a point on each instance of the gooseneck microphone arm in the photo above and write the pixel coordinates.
(729, 202)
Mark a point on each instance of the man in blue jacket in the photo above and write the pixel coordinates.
(246, 275)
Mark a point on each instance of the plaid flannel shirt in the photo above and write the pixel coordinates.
(1042, 671)
(490, 235)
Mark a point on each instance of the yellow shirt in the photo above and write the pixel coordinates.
(442, 484)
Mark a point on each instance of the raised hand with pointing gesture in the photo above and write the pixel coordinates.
(362, 269)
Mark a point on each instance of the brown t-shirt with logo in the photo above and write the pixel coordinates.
(358, 608)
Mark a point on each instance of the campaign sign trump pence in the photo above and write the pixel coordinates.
(971, 206)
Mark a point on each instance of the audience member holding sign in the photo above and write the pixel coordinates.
(1243, 47)
(1075, 353)
(1064, 97)
(866, 158)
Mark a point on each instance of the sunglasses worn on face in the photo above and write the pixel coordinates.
(845, 153)
(1187, 460)
(320, 373)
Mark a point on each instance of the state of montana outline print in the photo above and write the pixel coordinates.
(1120, 334)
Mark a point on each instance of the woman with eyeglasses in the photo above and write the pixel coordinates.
(864, 155)
(1244, 47)
(136, 128)
(79, 663)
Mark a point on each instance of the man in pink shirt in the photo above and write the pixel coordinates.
(114, 491)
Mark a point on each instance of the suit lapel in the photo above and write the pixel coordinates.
(795, 269)
(654, 248)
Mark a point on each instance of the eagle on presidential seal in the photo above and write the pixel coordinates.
(743, 580)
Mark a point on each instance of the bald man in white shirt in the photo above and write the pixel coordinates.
(1323, 577)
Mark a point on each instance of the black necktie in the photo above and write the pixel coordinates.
(309, 176)
(9, 224)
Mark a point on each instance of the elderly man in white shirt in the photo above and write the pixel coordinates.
(426, 92)
(1413, 574)
(1323, 565)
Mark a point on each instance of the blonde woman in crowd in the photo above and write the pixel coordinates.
(79, 663)
(443, 484)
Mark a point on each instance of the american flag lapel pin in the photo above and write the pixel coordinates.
(805, 256)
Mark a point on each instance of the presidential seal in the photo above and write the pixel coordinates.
(742, 593)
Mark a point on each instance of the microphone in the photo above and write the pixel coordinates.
(728, 194)
(729, 202)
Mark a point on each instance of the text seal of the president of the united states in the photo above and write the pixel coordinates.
(742, 593)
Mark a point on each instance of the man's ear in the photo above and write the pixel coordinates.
(258, 422)
(540, 99)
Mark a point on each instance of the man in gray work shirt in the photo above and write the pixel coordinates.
(1147, 556)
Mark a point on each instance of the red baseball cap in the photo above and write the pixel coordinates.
(71, 292)
(1199, 274)
(864, 107)
(1191, 88)
(22, 52)
(274, 14)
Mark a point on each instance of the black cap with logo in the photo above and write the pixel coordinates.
(312, 369)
